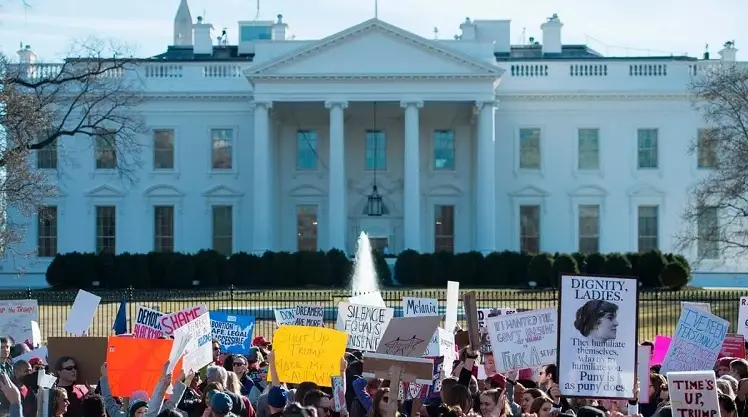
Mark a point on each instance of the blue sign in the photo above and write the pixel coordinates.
(232, 331)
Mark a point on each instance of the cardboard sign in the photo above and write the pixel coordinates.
(696, 342)
(693, 393)
(524, 340)
(89, 354)
(308, 353)
(307, 315)
(733, 346)
(408, 336)
(470, 308)
(148, 324)
(418, 370)
(365, 325)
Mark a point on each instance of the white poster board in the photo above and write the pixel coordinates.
(365, 325)
(693, 393)
(199, 350)
(523, 340)
(173, 321)
(696, 342)
(16, 317)
(413, 306)
(597, 336)
(453, 301)
(643, 355)
(309, 315)
(742, 323)
(82, 313)
(285, 316)
(704, 306)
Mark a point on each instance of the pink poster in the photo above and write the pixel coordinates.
(662, 343)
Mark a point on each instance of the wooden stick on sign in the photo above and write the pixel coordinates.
(471, 316)
(394, 377)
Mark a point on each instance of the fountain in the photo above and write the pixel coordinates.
(364, 284)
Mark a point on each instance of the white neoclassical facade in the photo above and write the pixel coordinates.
(472, 143)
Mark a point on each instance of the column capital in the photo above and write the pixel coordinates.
(480, 104)
(408, 103)
(261, 103)
(336, 103)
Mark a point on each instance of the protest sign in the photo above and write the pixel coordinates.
(307, 315)
(596, 350)
(642, 370)
(365, 325)
(742, 324)
(703, 306)
(523, 340)
(453, 301)
(693, 393)
(413, 306)
(483, 314)
(661, 345)
(89, 354)
(173, 321)
(377, 365)
(125, 354)
(338, 393)
(442, 343)
(233, 332)
(696, 342)
(308, 353)
(733, 346)
(147, 324)
(16, 317)
(408, 336)
(368, 299)
(199, 350)
(82, 313)
(285, 316)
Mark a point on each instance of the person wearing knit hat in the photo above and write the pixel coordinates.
(138, 404)
(220, 403)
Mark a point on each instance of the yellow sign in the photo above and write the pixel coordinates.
(305, 353)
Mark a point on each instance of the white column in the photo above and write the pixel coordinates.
(485, 207)
(337, 222)
(262, 226)
(412, 187)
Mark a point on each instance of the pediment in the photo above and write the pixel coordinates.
(530, 191)
(447, 190)
(589, 191)
(306, 191)
(164, 191)
(644, 190)
(375, 48)
(221, 191)
(104, 191)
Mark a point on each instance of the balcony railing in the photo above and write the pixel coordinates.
(520, 77)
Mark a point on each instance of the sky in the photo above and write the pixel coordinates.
(612, 27)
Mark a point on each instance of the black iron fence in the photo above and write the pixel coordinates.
(658, 310)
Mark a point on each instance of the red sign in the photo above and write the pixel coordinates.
(733, 346)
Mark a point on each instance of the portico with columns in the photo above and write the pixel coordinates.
(372, 87)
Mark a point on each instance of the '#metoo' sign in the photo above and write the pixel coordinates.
(693, 394)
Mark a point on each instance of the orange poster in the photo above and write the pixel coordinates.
(136, 364)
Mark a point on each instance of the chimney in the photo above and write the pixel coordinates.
(552, 35)
(468, 30)
(203, 41)
(26, 55)
(729, 52)
(280, 29)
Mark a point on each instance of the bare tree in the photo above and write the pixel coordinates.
(716, 216)
(90, 99)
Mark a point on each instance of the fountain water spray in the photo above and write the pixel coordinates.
(364, 283)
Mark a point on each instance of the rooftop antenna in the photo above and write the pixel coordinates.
(376, 9)
(436, 32)
(257, 12)
(523, 39)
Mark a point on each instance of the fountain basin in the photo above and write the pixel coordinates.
(330, 313)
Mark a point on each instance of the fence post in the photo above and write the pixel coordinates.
(130, 291)
(232, 288)
(28, 293)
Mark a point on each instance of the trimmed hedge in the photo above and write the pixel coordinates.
(333, 269)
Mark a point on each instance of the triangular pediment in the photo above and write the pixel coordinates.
(375, 48)
(644, 190)
(530, 191)
(221, 191)
(104, 191)
(589, 191)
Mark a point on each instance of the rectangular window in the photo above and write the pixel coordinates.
(163, 149)
(529, 148)
(529, 229)
(589, 228)
(706, 148)
(648, 230)
(223, 230)
(647, 149)
(163, 228)
(708, 233)
(306, 228)
(306, 150)
(222, 148)
(46, 231)
(444, 150)
(588, 149)
(376, 150)
(106, 229)
(444, 229)
(106, 150)
(46, 157)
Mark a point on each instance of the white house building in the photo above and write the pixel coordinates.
(472, 143)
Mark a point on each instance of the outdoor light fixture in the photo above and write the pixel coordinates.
(374, 201)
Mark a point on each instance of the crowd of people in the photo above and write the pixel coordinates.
(237, 386)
